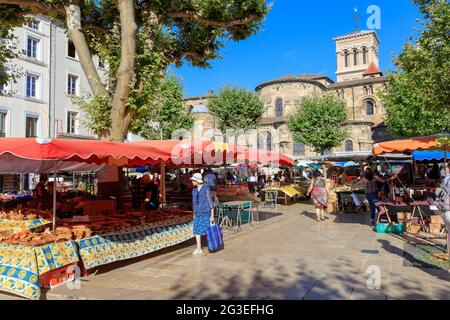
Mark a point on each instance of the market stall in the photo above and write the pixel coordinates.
(95, 239)
(418, 220)
(31, 249)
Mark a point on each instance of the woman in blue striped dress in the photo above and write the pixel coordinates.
(203, 206)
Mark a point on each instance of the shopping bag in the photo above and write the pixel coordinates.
(356, 200)
(215, 238)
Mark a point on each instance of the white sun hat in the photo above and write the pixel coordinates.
(198, 178)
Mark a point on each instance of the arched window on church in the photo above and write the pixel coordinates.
(349, 146)
(299, 149)
(365, 55)
(355, 57)
(264, 141)
(346, 58)
(370, 107)
(279, 108)
(269, 141)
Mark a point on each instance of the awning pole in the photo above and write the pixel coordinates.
(163, 182)
(54, 197)
(445, 160)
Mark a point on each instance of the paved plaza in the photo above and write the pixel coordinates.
(286, 256)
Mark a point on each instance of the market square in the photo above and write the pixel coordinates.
(157, 152)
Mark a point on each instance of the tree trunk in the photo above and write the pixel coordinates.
(73, 18)
(121, 115)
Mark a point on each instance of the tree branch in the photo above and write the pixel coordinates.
(34, 4)
(193, 16)
(120, 115)
(73, 18)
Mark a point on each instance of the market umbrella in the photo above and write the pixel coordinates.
(439, 142)
(430, 155)
(53, 155)
(85, 151)
(429, 143)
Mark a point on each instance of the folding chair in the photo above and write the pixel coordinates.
(271, 198)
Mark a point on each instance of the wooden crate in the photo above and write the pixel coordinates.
(332, 207)
(404, 216)
(413, 228)
(435, 228)
(436, 219)
(53, 276)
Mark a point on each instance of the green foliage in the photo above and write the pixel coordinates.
(318, 122)
(98, 113)
(166, 113)
(417, 99)
(168, 32)
(8, 50)
(236, 108)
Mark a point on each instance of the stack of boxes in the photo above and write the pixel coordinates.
(411, 225)
(332, 203)
(436, 224)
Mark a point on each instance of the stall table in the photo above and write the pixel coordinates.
(21, 266)
(16, 226)
(344, 195)
(137, 241)
(233, 210)
(287, 192)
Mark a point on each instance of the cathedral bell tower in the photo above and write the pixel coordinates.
(356, 54)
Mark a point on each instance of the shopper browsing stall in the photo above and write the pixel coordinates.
(445, 206)
(369, 180)
(47, 200)
(211, 182)
(319, 193)
(203, 206)
(151, 191)
(251, 180)
(39, 190)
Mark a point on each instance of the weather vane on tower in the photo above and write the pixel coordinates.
(356, 18)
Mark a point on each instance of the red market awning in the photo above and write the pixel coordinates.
(44, 153)
(83, 151)
(198, 153)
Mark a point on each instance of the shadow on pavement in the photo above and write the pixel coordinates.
(302, 282)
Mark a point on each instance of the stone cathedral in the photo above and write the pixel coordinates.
(358, 80)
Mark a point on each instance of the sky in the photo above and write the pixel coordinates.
(297, 37)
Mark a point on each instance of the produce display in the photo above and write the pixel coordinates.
(15, 197)
(25, 214)
(70, 229)
(345, 188)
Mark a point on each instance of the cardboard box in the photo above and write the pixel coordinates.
(435, 231)
(413, 228)
(405, 216)
(436, 219)
(435, 228)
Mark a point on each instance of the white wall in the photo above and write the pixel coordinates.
(18, 105)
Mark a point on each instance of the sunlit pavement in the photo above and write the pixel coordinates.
(289, 256)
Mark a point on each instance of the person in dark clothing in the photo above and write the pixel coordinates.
(151, 201)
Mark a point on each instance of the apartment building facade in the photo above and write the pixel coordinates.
(42, 102)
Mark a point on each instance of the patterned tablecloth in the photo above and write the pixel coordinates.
(20, 266)
(15, 226)
(138, 241)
